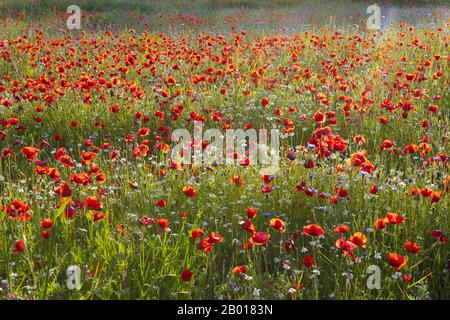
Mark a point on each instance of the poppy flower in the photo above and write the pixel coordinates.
(204, 245)
(359, 239)
(87, 157)
(45, 234)
(345, 245)
(308, 261)
(184, 214)
(99, 216)
(161, 203)
(381, 223)
(163, 223)
(215, 238)
(197, 233)
(439, 235)
(426, 192)
(140, 151)
(412, 247)
(313, 230)
(394, 218)
(373, 189)
(19, 246)
(30, 153)
(18, 209)
(407, 277)
(47, 223)
(397, 261)
(236, 180)
(164, 147)
(251, 212)
(319, 117)
(342, 193)
(186, 275)
(267, 178)
(435, 196)
(359, 139)
(146, 221)
(248, 226)
(278, 224)
(342, 228)
(92, 203)
(63, 190)
(260, 238)
(189, 191)
(240, 269)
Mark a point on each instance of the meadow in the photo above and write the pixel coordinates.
(87, 177)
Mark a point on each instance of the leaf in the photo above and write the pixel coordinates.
(61, 208)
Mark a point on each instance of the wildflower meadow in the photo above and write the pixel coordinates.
(224, 149)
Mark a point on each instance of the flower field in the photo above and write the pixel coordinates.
(357, 208)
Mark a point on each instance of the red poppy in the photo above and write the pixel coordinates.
(381, 223)
(30, 153)
(260, 238)
(278, 224)
(92, 203)
(47, 223)
(215, 238)
(205, 245)
(439, 235)
(407, 278)
(19, 246)
(189, 191)
(373, 189)
(412, 247)
(394, 218)
(45, 234)
(197, 233)
(240, 269)
(163, 223)
(251, 212)
(184, 214)
(267, 178)
(87, 157)
(342, 228)
(313, 230)
(186, 275)
(397, 261)
(342, 193)
(161, 203)
(248, 226)
(319, 117)
(63, 190)
(345, 245)
(236, 180)
(359, 239)
(308, 261)
(99, 216)
(435, 196)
